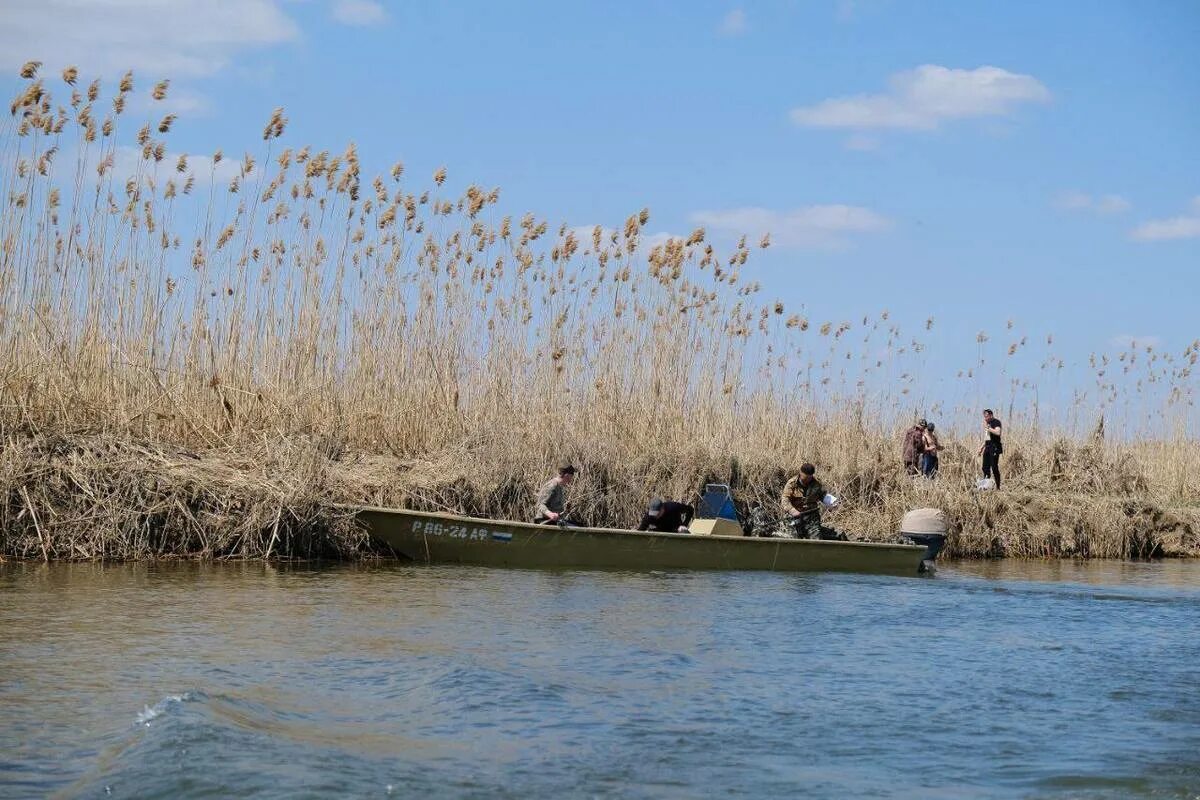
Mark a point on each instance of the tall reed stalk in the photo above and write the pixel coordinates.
(435, 350)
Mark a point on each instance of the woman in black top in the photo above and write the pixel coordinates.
(992, 446)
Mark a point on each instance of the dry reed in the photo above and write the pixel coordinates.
(203, 355)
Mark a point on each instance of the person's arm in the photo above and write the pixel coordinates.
(786, 502)
(646, 522)
(686, 515)
(813, 496)
(995, 427)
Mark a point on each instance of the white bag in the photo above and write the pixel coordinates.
(984, 484)
(830, 501)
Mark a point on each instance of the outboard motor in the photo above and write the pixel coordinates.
(926, 526)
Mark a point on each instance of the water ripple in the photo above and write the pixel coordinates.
(370, 681)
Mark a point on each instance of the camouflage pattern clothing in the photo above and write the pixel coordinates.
(808, 526)
(805, 498)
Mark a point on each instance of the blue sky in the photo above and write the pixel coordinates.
(977, 162)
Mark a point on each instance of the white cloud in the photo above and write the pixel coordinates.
(1184, 226)
(1103, 204)
(734, 23)
(128, 162)
(650, 241)
(1112, 204)
(164, 38)
(827, 226)
(358, 12)
(584, 233)
(925, 97)
(179, 101)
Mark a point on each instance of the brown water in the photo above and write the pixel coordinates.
(1001, 679)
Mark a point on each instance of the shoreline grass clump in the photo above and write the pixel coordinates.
(203, 355)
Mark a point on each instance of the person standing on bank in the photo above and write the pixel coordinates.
(552, 497)
(801, 501)
(667, 517)
(929, 456)
(914, 447)
(992, 446)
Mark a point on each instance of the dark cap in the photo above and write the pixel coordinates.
(922, 423)
(566, 470)
(656, 505)
(808, 469)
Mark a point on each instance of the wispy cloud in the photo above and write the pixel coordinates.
(358, 12)
(127, 162)
(734, 23)
(926, 97)
(822, 226)
(1103, 204)
(179, 101)
(176, 39)
(1184, 226)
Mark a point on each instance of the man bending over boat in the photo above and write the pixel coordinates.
(802, 496)
(552, 498)
(667, 517)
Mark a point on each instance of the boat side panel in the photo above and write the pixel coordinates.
(464, 540)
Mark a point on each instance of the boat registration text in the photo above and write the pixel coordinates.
(430, 528)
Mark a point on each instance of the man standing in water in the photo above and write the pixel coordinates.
(552, 497)
(992, 446)
(802, 496)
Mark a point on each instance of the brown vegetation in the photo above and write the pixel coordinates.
(204, 355)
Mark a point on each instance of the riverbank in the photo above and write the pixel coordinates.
(106, 497)
(203, 362)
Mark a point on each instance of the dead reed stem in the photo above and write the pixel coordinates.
(171, 324)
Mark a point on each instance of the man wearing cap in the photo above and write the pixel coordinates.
(552, 497)
(802, 496)
(914, 447)
(667, 517)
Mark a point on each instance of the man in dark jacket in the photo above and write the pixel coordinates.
(914, 447)
(667, 517)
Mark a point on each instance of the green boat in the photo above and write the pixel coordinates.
(447, 538)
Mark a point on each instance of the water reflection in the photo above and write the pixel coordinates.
(993, 679)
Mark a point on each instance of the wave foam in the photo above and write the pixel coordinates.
(158, 709)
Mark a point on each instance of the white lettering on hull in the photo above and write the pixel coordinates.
(449, 531)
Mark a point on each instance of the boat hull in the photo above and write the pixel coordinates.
(445, 538)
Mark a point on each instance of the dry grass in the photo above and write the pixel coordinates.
(199, 355)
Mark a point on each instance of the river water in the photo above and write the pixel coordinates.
(1009, 679)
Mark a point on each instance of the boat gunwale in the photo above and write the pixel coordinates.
(761, 540)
